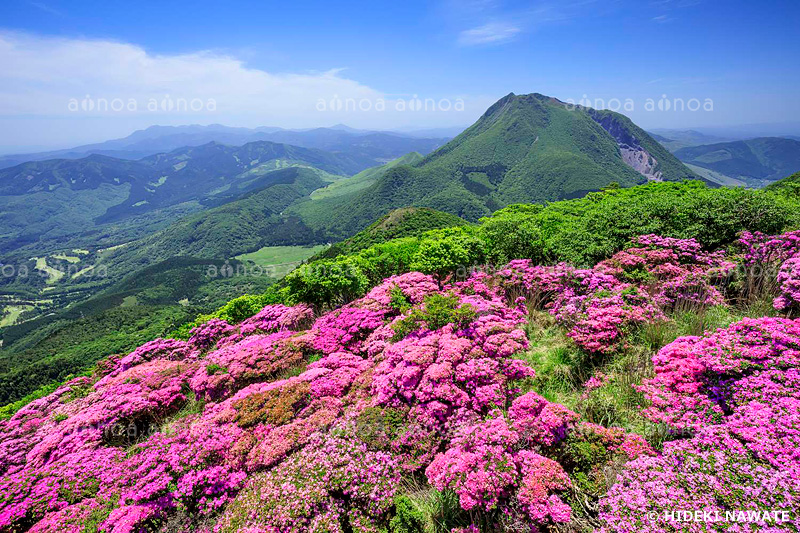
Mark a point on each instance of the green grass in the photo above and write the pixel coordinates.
(562, 368)
(12, 314)
(716, 177)
(53, 274)
(363, 179)
(282, 255)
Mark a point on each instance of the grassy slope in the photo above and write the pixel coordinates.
(363, 179)
(274, 255)
(716, 177)
(240, 226)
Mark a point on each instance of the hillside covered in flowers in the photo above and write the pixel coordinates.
(430, 404)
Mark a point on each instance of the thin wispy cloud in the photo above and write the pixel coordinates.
(661, 19)
(492, 33)
(493, 22)
(46, 8)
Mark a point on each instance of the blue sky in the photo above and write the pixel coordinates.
(288, 63)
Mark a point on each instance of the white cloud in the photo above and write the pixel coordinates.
(43, 77)
(39, 75)
(491, 33)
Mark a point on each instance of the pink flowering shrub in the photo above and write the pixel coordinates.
(598, 380)
(345, 329)
(788, 285)
(206, 335)
(252, 359)
(486, 472)
(766, 254)
(278, 317)
(540, 422)
(414, 286)
(762, 249)
(738, 391)
(596, 307)
(602, 305)
(677, 270)
(540, 479)
(167, 349)
(712, 472)
(601, 323)
(701, 381)
(479, 465)
(334, 480)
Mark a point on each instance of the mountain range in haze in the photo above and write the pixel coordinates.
(374, 146)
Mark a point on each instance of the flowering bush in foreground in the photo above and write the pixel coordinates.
(738, 389)
(486, 472)
(788, 285)
(289, 423)
(334, 480)
(765, 253)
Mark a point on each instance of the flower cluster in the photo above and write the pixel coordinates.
(598, 380)
(598, 308)
(762, 249)
(333, 480)
(601, 305)
(788, 285)
(254, 358)
(738, 391)
(278, 317)
(486, 469)
(207, 335)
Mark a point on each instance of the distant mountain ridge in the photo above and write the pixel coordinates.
(757, 162)
(373, 147)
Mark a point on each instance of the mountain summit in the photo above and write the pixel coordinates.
(525, 148)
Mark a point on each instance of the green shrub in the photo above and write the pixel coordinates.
(389, 258)
(449, 251)
(437, 311)
(513, 233)
(407, 518)
(328, 282)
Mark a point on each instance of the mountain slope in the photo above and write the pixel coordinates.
(365, 178)
(527, 148)
(54, 199)
(242, 225)
(673, 140)
(755, 161)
